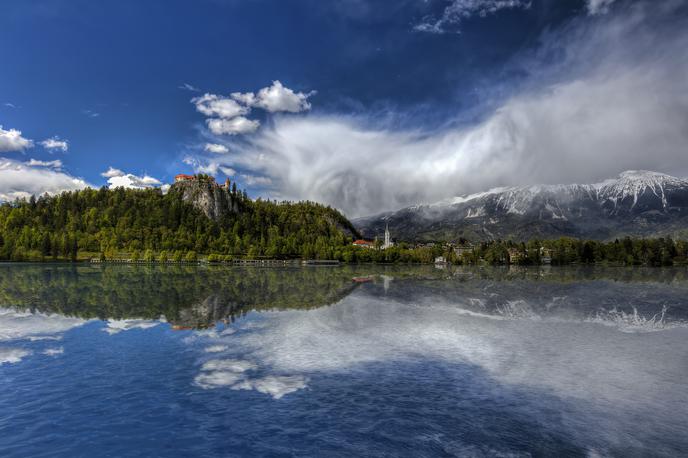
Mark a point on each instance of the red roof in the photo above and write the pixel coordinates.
(362, 242)
(182, 176)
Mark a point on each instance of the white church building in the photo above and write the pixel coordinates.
(388, 239)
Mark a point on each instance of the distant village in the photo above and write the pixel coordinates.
(460, 251)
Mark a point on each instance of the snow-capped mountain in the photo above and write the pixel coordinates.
(636, 203)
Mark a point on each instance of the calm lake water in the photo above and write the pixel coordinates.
(342, 361)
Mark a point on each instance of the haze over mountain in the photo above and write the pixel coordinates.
(636, 203)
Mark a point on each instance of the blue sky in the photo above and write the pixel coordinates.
(378, 104)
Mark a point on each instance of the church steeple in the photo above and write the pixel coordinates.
(388, 238)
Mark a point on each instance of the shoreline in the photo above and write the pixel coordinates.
(322, 263)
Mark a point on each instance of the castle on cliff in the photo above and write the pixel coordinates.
(182, 178)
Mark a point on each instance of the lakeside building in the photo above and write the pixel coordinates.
(374, 243)
(364, 243)
(464, 249)
(515, 255)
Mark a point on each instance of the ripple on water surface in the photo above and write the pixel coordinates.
(411, 367)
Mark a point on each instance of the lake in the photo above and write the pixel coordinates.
(142, 361)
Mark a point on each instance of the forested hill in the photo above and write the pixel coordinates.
(126, 222)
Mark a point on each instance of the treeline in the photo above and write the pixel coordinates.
(147, 223)
(565, 251)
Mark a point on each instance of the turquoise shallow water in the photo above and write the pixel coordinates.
(366, 361)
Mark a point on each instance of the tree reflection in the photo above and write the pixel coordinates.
(200, 296)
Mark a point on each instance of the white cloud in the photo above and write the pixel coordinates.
(216, 148)
(91, 113)
(18, 325)
(246, 98)
(458, 10)
(217, 379)
(117, 326)
(12, 355)
(216, 348)
(117, 178)
(234, 365)
(9, 105)
(233, 126)
(12, 140)
(598, 6)
(275, 385)
(555, 353)
(234, 374)
(53, 351)
(222, 107)
(620, 93)
(133, 182)
(253, 180)
(21, 180)
(230, 172)
(55, 144)
(279, 98)
(199, 166)
(226, 115)
(276, 98)
(56, 164)
(112, 172)
(188, 87)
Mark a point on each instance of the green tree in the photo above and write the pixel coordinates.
(191, 256)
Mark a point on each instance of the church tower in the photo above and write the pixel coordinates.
(388, 239)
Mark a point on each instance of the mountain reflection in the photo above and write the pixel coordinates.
(198, 297)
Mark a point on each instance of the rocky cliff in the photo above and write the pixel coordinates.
(213, 200)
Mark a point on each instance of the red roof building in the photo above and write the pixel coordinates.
(183, 177)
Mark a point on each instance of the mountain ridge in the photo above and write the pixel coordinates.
(636, 203)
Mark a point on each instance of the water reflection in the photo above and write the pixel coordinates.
(342, 361)
(187, 297)
(199, 297)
